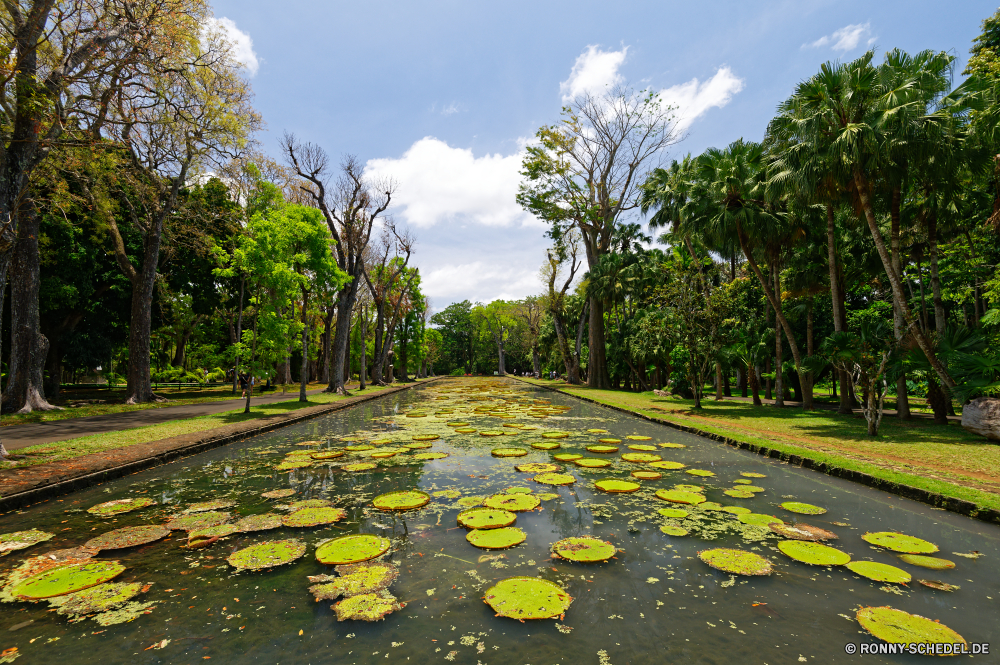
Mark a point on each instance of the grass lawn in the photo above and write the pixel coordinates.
(939, 458)
(97, 443)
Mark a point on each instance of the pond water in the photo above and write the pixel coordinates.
(655, 602)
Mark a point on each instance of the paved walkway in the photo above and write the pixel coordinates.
(21, 436)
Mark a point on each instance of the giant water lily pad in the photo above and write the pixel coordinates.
(205, 506)
(496, 539)
(211, 533)
(278, 494)
(880, 572)
(602, 449)
(309, 503)
(486, 518)
(802, 508)
(680, 496)
(737, 562)
(647, 475)
(367, 607)
(466, 430)
(638, 437)
(470, 501)
(703, 473)
(673, 530)
(801, 531)
(307, 517)
(899, 627)
(517, 503)
(430, 456)
(615, 486)
(417, 445)
(672, 445)
(403, 500)
(641, 458)
(119, 506)
(359, 467)
(756, 519)
(642, 448)
(353, 548)
(19, 540)
(752, 474)
(525, 598)
(898, 542)
(555, 435)
(508, 452)
(267, 554)
(353, 580)
(546, 445)
(547, 496)
(100, 598)
(592, 463)
(537, 467)
(197, 521)
(931, 562)
(264, 522)
(62, 580)
(583, 549)
(610, 441)
(667, 465)
(426, 437)
(812, 553)
(326, 454)
(554, 479)
(447, 494)
(739, 494)
(359, 448)
(129, 536)
(735, 510)
(675, 513)
(567, 457)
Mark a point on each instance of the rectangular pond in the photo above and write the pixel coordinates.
(656, 600)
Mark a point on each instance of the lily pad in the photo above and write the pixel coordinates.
(100, 598)
(672, 445)
(267, 554)
(616, 486)
(704, 473)
(592, 463)
(367, 606)
(496, 539)
(508, 452)
(583, 549)
(364, 466)
(675, 513)
(314, 517)
(517, 490)
(642, 447)
(426, 437)
(354, 580)
(309, 503)
(62, 580)
(673, 530)
(689, 488)
(554, 479)
(417, 445)
(604, 450)
(359, 448)
(802, 508)
(638, 437)
(802, 532)
(597, 431)
(220, 531)
(470, 501)
(353, 548)
(898, 542)
(735, 510)
(680, 496)
(327, 454)
(527, 598)
(119, 506)
(517, 503)
(130, 536)
(537, 467)
(258, 523)
(610, 440)
(752, 474)
(647, 475)
(743, 481)
(567, 457)
(277, 494)
(466, 430)
(739, 494)
(667, 465)
(899, 627)
(430, 456)
(404, 500)
(486, 518)
(880, 572)
(546, 445)
(927, 561)
(291, 465)
(547, 496)
(197, 521)
(447, 494)
(491, 432)
(756, 519)
(812, 553)
(641, 458)
(736, 562)
(555, 435)
(19, 540)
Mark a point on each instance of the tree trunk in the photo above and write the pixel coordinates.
(345, 304)
(597, 365)
(754, 385)
(779, 388)
(139, 388)
(569, 360)
(536, 361)
(239, 336)
(718, 381)
(304, 378)
(364, 348)
(898, 325)
(836, 295)
(6, 243)
(741, 383)
(940, 320)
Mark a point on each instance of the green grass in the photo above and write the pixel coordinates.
(939, 458)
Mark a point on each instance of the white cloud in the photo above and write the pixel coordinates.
(593, 71)
(844, 39)
(241, 43)
(439, 184)
(480, 280)
(694, 98)
(450, 109)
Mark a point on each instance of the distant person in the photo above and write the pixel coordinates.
(243, 384)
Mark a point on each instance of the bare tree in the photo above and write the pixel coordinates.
(530, 311)
(552, 271)
(389, 284)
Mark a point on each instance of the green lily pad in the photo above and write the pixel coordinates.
(314, 517)
(583, 549)
(547, 496)
(19, 540)
(753, 489)
(554, 479)
(710, 505)
(264, 522)
(752, 474)
(100, 598)
(366, 466)
(62, 580)
(496, 539)
(404, 500)
(292, 465)
(426, 437)
(673, 530)
(744, 481)
(736, 562)
(491, 432)
(470, 501)
(130, 536)
(119, 506)
(647, 475)
(700, 472)
(604, 450)
(736, 510)
(466, 430)
(689, 488)
(430, 456)
(672, 445)
(220, 531)
(675, 513)
(367, 607)
(354, 580)
(546, 445)
(812, 553)
(898, 542)
(899, 627)
(610, 440)
(802, 508)
(616, 486)
(641, 458)
(756, 519)
(197, 521)
(537, 467)
(880, 572)
(567, 457)
(927, 561)
(508, 452)
(309, 503)
(525, 598)
(597, 431)
(739, 494)
(278, 494)
(486, 518)
(327, 454)
(592, 463)
(517, 503)
(802, 532)
(353, 548)
(667, 465)
(680, 496)
(555, 435)
(267, 554)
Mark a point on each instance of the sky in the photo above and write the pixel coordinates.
(443, 96)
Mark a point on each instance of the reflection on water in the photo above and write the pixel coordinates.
(656, 602)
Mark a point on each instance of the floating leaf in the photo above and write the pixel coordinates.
(710, 505)
(491, 432)
(676, 513)
(267, 554)
(62, 580)
(508, 452)
(309, 503)
(197, 521)
(314, 517)
(673, 530)
(939, 586)
(752, 474)
(289, 465)
(638, 437)
(486, 518)
(597, 431)
(802, 508)
(130, 536)
(735, 510)
(647, 475)
(592, 463)
(417, 445)
(517, 490)
(899, 627)
(527, 598)
(700, 472)
(354, 580)
(258, 523)
(119, 506)
(610, 440)
(927, 561)
(898, 542)
(801, 531)
(368, 466)
(880, 572)
(496, 539)
(641, 447)
(555, 435)
(426, 437)
(737, 562)
(689, 488)
(327, 454)
(583, 549)
(537, 467)
(367, 606)
(756, 519)
(641, 458)
(604, 450)
(567, 457)
(469, 501)
(466, 430)
(19, 540)
(739, 494)
(616, 486)
(430, 456)
(672, 445)
(517, 503)
(402, 500)
(680, 496)
(546, 445)
(667, 465)
(812, 553)
(353, 548)
(554, 479)
(547, 496)
(359, 448)
(100, 598)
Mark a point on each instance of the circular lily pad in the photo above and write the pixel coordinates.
(710, 505)
(735, 510)
(609, 440)
(752, 474)
(604, 450)
(927, 561)
(812, 553)
(641, 447)
(703, 473)
(527, 598)
(517, 490)
(291, 465)
(672, 445)
(638, 437)
(546, 445)
(381, 442)
(584, 549)
(62, 580)
(353, 548)
(647, 475)
(220, 531)
(267, 554)
(898, 542)
(466, 430)
(508, 452)
(277, 494)
(567, 457)
(739, 494)
(641, 458)
(597, 431)
(470, 501)
(680, 496)
(426, 437)
(899, 627)
(667, 465)
(555, 435)
(743, 481)
(753, 489)
(675, 513)
(327, 454)
(592, 463)
(387, 453)
(880, 572)
(417, 445)
(554, 479)
(737, 562)
(802, 508)
(486, 518)
(802, 532)
(517, 503)
(537, 467)
(616, 486)
(258, 523)
(314, 517)
(496, 539)
(119, 506)
(197, 521)
(756, 519)
(19, 540)
(367, 606)
(361, 466)
(673, 530)
(689, 488)
(430, 456)
(405, 500)
(129, 536)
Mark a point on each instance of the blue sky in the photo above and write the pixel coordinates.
(443, 95)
